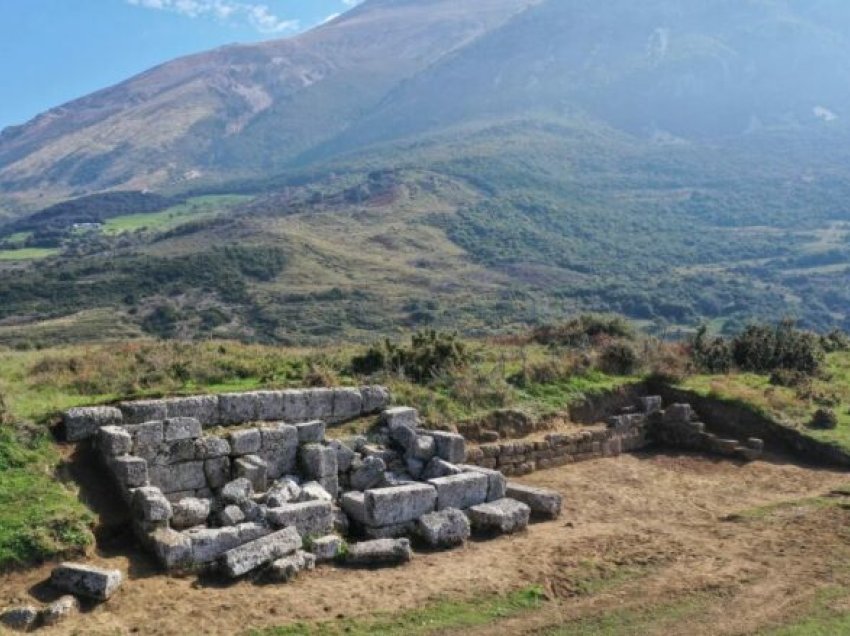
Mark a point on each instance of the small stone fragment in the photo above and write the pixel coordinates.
(86, 580)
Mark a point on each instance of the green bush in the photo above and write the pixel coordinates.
(618, 358)
(835, 341)
(711, 355)
(824, 419)
(584, 330)
(765, 348)
(430, 353)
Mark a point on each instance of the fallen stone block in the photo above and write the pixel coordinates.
(150, 505)
(403, 435)
(217, 471)
(460, 491)
(319, 404)
(313, 491)
(173, 549)
(504, 516)
(284, 491)
(424, 448)
(496, 482)
(374, 399)
(20, 619)
(190, 512)
(310, 432)
(249, 556)
(449, 446)
(341, 523)
(286, 569)
(245, 442)
(369, 474)
(251, 531)
(237, 491)
(347, 404)
(208, 544)
(181, 428)
(178, 477)
(317, 461)
(310, 518)
(254, 469)
(231, 515)
(83, 422)
(331, 484)
(114, 440)
(211, 448)
(379, 552)
(344, 455)
(415, 467)
(86, 580)
(294, 405)
(253, 511)
(204, 408)
(439, 468)
(391, 506)
(444, 529)
(542, 501)
(354, 505)
(60, 610)
(237, 408)
(651, 404)
(326, 548)
(396, 531)
(400, 416)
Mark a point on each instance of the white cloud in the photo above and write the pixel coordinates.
(257, 15)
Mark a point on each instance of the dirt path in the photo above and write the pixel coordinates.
(655, 527)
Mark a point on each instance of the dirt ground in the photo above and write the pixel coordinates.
(636, 531)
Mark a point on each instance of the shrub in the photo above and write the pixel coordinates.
(430, 353)
(764, 348)
(618, 358)
(834, 341)
(711, 355)
(584, 330)
(824, 419)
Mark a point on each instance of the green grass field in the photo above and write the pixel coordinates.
(194, 209)
(28, 253)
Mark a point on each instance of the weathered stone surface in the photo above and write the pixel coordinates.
(439, 468)
(176, 452)
(379, 552)
(177, 477)
(149, 504)
(208, 544)
(269, 406)
(369, 474)
(406, 529)
(678, 414)
(60, 610)
(450, 446)
(211, 448)
(310, 432)
(129, 471)
(237, 491)
(147, 438)
(253, 511)
(251, 530)
(241, 560)
(284, 491)
(503, 515)
(21, 619)
(294, 406)
(232, 515)
(202, 407)
(651, 404)
(400, 416)
(399, 504)
(354, 505)
(375, 399)
(254, 469)
(114, 440)
(86, 580)
(331, 484)
(342, 524)
(496, 481)
(173, 549)
(217, 471)
(285, 569)
(181, 428)
(313, 491)
(310, 518)
(460, 491)
(404, 435)
(83, 422)
(424, 448)
(320, 404)
(542, 501)
(317, 461)
(245, 442)
(190, 512)
(326, 548)
(279, 449)
(237, 408)
(347, 404)
(344, 455)
(138, 411)
(444, 529)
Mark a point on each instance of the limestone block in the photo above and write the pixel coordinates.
(313, 491)
(245, 442)
(180, 428)
(310, 518)
(320, 404)
(354, 505)
(21, 619)
(147, 438)
(269, 406)
(177, 477)
(217, 471)
(86, 580)
(444, 529)
(211, 448)
(114, 440)
(450, 446)
(404, 435)
(176, 452)
(496, 482)
(399, 504)
(232, 515)
(285, 569)
(460, 491)
(392, 478)
(279, 448)
(249, 556)
(424, 448)
(129, 471)
(251, 531)
(317, 461)
(395, 531)
(254, 512)
(254, 469)
(284, 491)
(311, 432)
(203, 408)
(208, 544)
(294, 406)
(173, 549)
(331, 484)
(344, 455)
(374, 399)
(400, 416)
(237, 408)
(139, 411)
(379, 552)
(347, 404)
(504, 516)
(651, 404)
(369, 474)
(326, 548)
(542, 501)
(237, 491)
(439, 468)
(678, 414)
(415, 467)
(149, 504)
(190, 512)
(84, 422)
(60, 610)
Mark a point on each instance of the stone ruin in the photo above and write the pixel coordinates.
(249, 482)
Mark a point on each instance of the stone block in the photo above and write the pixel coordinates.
(147, 438)
(344, 455)
(84, 422)
(415, 467)
(444, 529)
(237, 491)
(190, 512)
(139, 411)
(310, 518)
(651, 404)
(310, 432)
(450, 447)
(354, 505)
(400, 416)
(496, 482)
(20, 619)
(286, 569)
(237, 408)
(249, 556)
(326, 548)
(279, 448)
(542, 501)
(404, 436)
(269, 406)
(181, 428)
(374, 399)
(314, 491)
(176, 452)
(369, 474)
(320, 404)
(460, 491)
(379, 552)
(439, 468)
(254, 469)
(424, 448)
(231, 515)
(150, 505)
(396, 531)
(114, 440)
(317, 461)
(177, 477)
(284, 491)
(252, 530)
(129, 471)
(211, 448)
(86, 580)
(60, 610)
(399, 504)
(217, 471)
(245, 442)
(347, 404)
(173, 549)
(294, 406)
(504, 516)
(203, 408)
(208, 544)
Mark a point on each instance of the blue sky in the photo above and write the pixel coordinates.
(52, 51)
